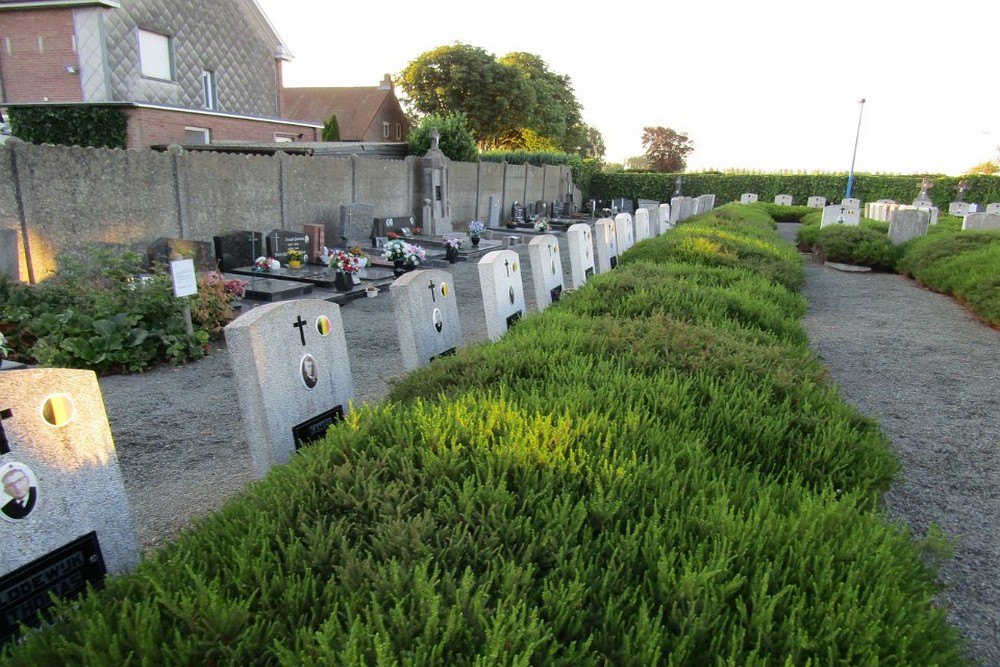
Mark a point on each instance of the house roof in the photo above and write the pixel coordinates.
(355, 107)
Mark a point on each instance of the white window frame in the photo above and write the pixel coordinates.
(204, 131)
(209, 90)
(385, 129)
(156, 55)
(399, 132)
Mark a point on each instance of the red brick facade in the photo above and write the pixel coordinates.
(36, 47)
(147, 127)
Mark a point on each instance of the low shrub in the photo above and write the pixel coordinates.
(862, 245)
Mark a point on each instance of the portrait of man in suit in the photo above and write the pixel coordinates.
(308, 368)
(23, 494)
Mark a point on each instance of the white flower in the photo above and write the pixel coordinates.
(274, 264)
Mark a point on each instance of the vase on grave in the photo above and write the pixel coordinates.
(409, 266)
(342, 281)
(475, 240)
(397, 268)
(451, 254)
(294, 264)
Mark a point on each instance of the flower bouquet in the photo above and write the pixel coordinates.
(233, 287)
(452, 244)
(266, 264)
(542, 225)
(398, 250)
(343, 261)
(476, 229)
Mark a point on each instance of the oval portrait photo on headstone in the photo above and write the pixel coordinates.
(309, 371)
(20, 491)
(438, 320)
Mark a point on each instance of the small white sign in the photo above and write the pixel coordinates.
(185, 281)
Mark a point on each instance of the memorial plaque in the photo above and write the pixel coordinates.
(313, 429)
(279, 242)
(238, 249)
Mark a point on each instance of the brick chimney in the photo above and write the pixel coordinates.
(386, 83)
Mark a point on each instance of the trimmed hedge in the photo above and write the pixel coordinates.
(629, 477)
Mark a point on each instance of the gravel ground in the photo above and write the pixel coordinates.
(914, 360)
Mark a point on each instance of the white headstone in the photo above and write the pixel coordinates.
(426, 313)
(641, 225)
(676, 210)
(993, 208)
(293, 377)
(816, 202)
(840, 215)
(606, 244)
(783, 200)
(502, 290)
(580, 242)
(908, 224)
(64, 514)
(852, 202)
(748, 198)
(665, 221)
(960, 208)
(624, 232)
(706, 203)
(981, 221)
(546, 269)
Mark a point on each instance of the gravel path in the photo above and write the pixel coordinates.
(914, 360)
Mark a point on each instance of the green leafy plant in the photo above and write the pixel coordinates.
(456, 141)
(84, 125)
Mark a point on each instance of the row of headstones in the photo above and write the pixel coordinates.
(906, 221)
(783, 200)
(64, 502)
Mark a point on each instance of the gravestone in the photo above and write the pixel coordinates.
(840, 215)
(748, 198)
(908, 224)
(783, 200)
(10, 254)
(816, 202)
(493, 218)
(624, 232)
(163, 250)
(426, 313)
(517, 213)
(546, 269)
(924, 199)
(292, 374)
(993, 208)
(502, 290)
(665, 221)
(279, 242)
(961, 208)
(980, 221)
(706, 203)
(641, 225)
(678, 209)
(238, 249)
(355, 225)
(622, 205)
(580, 245)
(57, 455)
(605, 240)
(648, 204)
(317, 241)
(851, 202)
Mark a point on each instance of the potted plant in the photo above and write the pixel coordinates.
(476, 231)
(345, 265)
(266, 264)
(405, 256)
(451, 247)
(294, 257)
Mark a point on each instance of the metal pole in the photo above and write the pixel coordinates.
(850, 177)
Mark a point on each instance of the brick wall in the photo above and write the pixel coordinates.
(147, 127)
(36, 46)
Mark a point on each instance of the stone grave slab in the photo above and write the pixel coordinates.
(546, 269)
(425, 307)
(748, 198)
(908, 224)
(238, 248)
(64, 514)
(706, 203)
(783, 200)
(356, 222)
(641, 224)
(816, 202)
(622, 205)
(292, 374)
(648, 204)
(163, 250)
(502, 290)
(493, 215)
(261, 288)
(279, 242)
(993, 208)
(605, 241)
(851, 202)
(840, 215)
(665, 221)
(580, 245)
(961, 208)
(981, 221)
(624, 232)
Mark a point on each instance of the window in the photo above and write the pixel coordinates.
(197, 136)
(155, 56)
(399, 132)
(385, 129)
(210, 99)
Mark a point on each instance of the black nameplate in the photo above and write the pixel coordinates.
(315, 428)
(614, 261)
(589, 273)
(555, 293)
(513, 319)
(447, 353)
(66, 571)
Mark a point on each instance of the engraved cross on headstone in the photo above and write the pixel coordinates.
(253, 246)
(430, 286)
(506, 264)
(301, 325)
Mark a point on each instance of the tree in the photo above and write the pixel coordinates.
(666, 149)
(988, 168)
(591, 143)
(556, 112)
(331, 129)
(456, 141)
(494, 98)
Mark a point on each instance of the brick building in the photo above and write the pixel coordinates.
(364, 113)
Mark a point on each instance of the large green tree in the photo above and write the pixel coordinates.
(556, 112)
(456, 140)
(666, 149)
(495, 98)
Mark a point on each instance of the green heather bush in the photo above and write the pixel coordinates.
(866, 245)
(625, 479)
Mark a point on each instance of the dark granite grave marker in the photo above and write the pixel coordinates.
(517, 212)
(237, 249)
(315, 428)
(279, 242)
(355, 224)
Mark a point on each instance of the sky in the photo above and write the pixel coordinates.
(772, 85)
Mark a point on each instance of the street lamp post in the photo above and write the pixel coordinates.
(850, 177)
